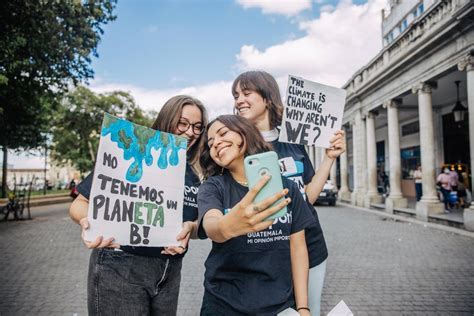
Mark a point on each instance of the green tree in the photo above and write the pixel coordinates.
(76, 131)
(45, 46)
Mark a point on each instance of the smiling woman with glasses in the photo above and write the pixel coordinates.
(146, 280)
(184, 125)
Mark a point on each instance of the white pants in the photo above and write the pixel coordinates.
(315, 287)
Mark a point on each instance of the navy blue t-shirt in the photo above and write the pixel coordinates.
(190, 211)
(251, 273)
(296, 165)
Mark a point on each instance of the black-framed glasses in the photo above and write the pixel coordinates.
(184, 125)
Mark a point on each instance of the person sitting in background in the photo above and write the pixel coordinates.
(444, 182)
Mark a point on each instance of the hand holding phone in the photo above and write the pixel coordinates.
(259, 165)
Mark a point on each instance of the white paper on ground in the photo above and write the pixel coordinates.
(288, 312)
(340, 309)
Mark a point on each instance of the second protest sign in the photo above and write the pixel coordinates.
(312, 112)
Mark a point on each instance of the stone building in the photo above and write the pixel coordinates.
(402, 108)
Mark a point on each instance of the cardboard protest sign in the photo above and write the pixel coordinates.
(312, 112)
(138, 186)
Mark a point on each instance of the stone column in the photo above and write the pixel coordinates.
(468, 65)
(373, 195)
(360, 166)
(429, 203)
(344, 193)
(395, 199)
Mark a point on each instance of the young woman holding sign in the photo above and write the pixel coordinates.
(249, 272)
(257, 98)
(125, 280)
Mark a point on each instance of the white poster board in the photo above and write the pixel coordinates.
(312, 112)
(138, 187)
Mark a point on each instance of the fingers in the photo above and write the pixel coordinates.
(183, 234)
(339, 134)
(269, 200)
(174, 250)
(95, 243)
(114, 245)
(271, 210)
(185, 231)
(106, 242)
(338, 144)
(84, 223)
(250, 196)
(100, 242)
(169, 251)
(263, 225)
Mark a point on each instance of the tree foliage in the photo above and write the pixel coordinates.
(45, 46)
(76, 131)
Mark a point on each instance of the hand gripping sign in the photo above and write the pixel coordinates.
(138, 186)
(312, 112)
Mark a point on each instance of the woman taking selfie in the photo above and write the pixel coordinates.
(257, 98)
(254, 262)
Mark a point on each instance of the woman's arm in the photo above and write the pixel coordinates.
(210, 223)
(314, 188)
(244, 217)
(300, 270)
(241, 219)
(78, 208)
(78, 213)
(338, 146)
(189, 230)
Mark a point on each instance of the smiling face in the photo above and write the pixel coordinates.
(251, 105)
(191, 117)
(227, 148)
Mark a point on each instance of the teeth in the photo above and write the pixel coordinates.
(241, 110)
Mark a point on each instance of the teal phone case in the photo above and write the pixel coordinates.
(256, 166)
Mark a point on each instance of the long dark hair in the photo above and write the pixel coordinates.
(252, 138)
(264, 84)
(168, 118)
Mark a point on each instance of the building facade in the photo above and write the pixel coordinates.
(399, 108)
(57, 177)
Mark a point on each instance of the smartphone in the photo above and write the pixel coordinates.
(259, 165)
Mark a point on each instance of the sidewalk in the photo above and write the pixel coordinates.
(378, 264)
(455, 218)
(49, 199)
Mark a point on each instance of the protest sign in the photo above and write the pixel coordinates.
(312, 112)
(138, 186)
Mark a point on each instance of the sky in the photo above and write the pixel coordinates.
(158, 49)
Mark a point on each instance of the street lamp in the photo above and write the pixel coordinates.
(459, 110)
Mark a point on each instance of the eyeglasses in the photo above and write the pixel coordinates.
(184, 125)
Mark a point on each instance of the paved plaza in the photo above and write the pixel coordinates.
(377, 265)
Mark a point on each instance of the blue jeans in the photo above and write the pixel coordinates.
(446, 194)
(121, 283)
(419, 191)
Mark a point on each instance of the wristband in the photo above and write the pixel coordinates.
(304, 307)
